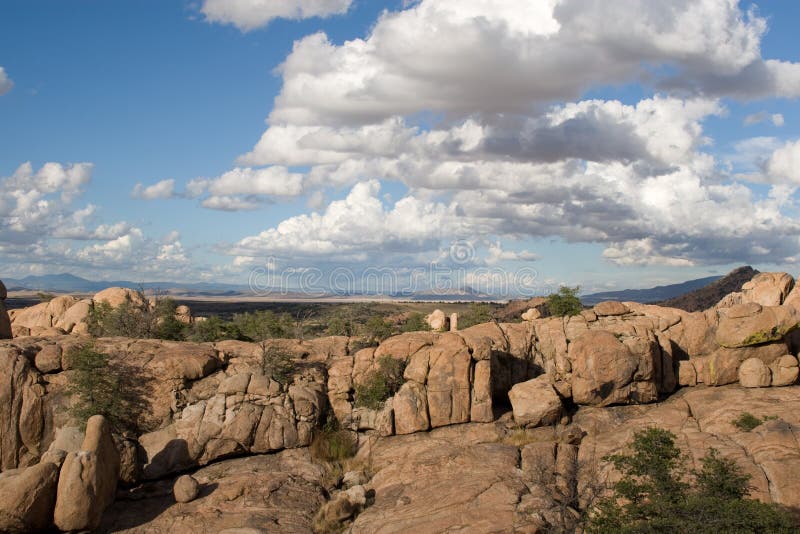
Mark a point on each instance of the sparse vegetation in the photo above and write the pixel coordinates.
(377, 329)
(332, 443)
(747, 421)
(136, 317)
(415, 323)
(656, 495)
(45, 297)
(565, 302)
(380, 384)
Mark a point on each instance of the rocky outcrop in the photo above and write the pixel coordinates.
(703, 418)
(766, 289)
(88, 479)
(247, 413)
(472, 479)
(279, 492)
(68, 315)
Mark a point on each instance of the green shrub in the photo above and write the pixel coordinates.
(747, 422)
(565, 302)
(656, 495)
(380, 384)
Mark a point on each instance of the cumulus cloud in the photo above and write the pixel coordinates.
(503, 144)
(5, 82)
(251, 14)
(356, 227)
(762, 116)
(242, 188)
(524, 54)
(162, 189)
(784, 164)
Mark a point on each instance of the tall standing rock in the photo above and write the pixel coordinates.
(5, 320)
(88, 479)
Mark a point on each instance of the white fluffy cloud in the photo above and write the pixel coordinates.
(357, 227)
(462, 56)
(784, 164)
(5, 82)
(41, 226)
(475, 106)
(162, 189)
(251, 14)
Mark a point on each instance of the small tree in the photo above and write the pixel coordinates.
(653, 496)
(565, 302)
(277, 362)
(95, 387)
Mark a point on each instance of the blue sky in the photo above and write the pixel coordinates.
(609, 147)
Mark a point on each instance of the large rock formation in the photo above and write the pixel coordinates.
(480, 410)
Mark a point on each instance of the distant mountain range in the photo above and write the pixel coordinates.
(695, 294)
(69, 283)
(691, 295)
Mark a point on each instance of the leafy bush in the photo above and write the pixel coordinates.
(565, 302)
(477, 313)
(45, 297)
(415, 323)
(380, 384)
(654, 495)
